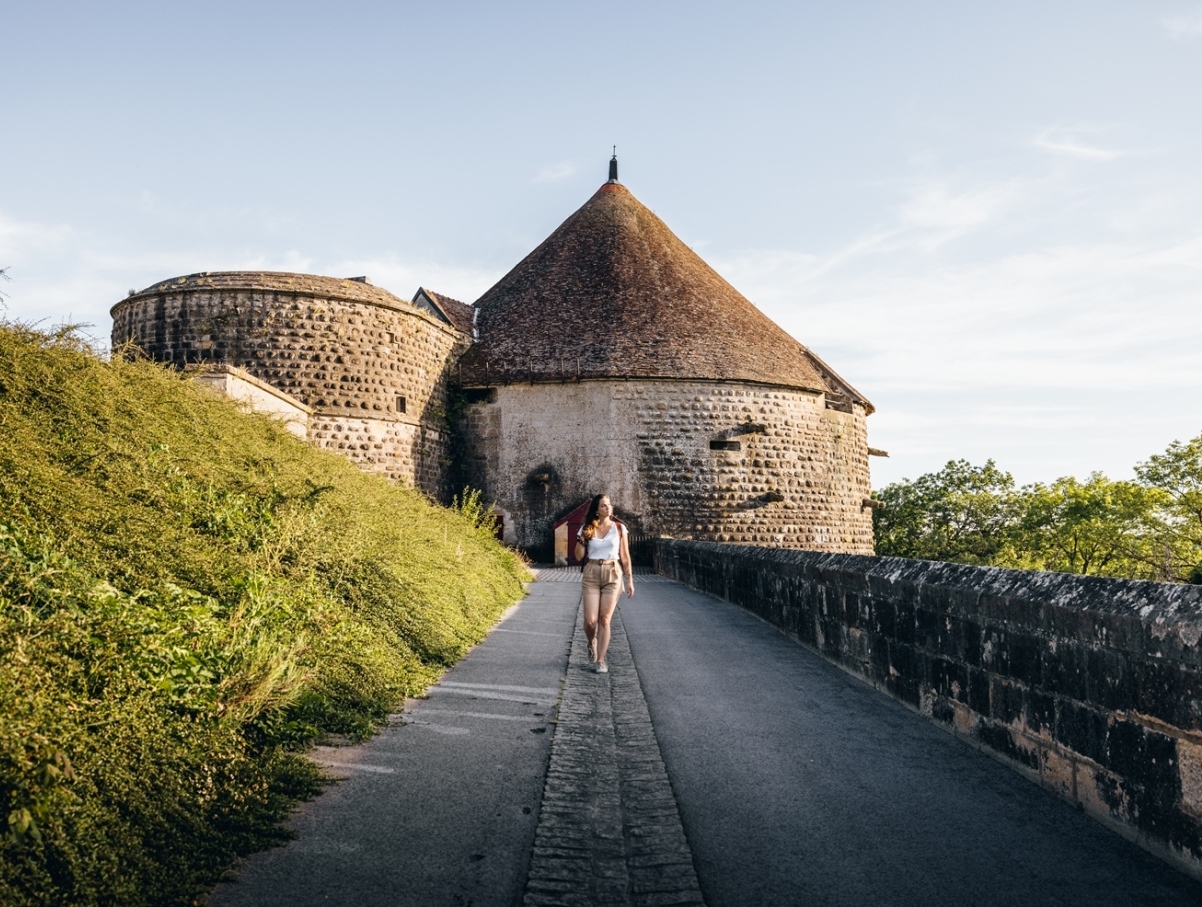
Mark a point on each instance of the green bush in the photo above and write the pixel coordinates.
(188, 597)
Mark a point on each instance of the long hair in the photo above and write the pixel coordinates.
(590, 518)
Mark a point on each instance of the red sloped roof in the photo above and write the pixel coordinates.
(460, 313)
(614, 293)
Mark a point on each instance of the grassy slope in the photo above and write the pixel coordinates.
(187, 596)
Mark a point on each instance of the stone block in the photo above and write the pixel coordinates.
(1082, 729)
(1110, 679)
(1022, 657)
(1040, 710)
(1005, 742)
(978, 691)
(1065, 670)
(1006, 701)
(1058, 773)
(1189, 768)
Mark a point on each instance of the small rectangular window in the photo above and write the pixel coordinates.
(400, 404)
(725, 445)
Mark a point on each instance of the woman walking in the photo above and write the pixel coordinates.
(602, 545)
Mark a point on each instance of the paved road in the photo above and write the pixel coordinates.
(798, 784)
(791, 783)
(440, 808)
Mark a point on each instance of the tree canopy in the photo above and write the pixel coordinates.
(961, 513)
(1150, 528)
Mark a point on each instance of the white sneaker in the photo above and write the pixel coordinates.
(602, 668)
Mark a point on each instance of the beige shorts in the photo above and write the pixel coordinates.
(605, 576)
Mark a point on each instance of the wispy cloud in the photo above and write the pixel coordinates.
(1068, 146)
(1055, 317)
(935, 214)
(942, 211)
(1009, 343)
(1185, 26)
(402, 278)
(553, 173)
(22, 239)
(61, 275)
(185, 212)
(291, 260)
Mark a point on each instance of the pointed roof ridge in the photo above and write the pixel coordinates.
(614, 293)
(460, 315)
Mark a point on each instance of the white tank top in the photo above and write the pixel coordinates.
(608, 548)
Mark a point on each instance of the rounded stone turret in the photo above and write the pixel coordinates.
(372, 366)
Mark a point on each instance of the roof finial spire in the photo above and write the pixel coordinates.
(613, 166)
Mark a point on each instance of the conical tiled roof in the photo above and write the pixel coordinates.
(613, 293)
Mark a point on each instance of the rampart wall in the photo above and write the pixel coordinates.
(718, 460)
(374, 369)
(255, 395)
(1091, 687)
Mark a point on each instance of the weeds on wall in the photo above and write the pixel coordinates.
(188, 597)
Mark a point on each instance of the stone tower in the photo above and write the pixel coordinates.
(612, 358)
(372, 367)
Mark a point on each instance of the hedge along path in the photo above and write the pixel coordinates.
(189, 596)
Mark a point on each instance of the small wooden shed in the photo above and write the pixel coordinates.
(565, 530)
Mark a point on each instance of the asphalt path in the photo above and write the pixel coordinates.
(799, 784)
(793, 784)
(441, 807)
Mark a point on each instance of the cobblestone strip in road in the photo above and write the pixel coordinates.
(609, 831)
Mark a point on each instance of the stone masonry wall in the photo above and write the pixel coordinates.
(1091, 687)
(402, 451)
(712, 460)
(255, 396)
(375, 374)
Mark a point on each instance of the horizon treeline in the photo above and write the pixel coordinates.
(1148, 528)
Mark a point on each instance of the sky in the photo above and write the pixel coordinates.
(986, 217)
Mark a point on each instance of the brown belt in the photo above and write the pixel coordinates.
(593, 560)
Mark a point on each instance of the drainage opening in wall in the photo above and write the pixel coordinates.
(480, 395)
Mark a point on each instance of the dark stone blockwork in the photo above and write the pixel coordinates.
(1091, 687)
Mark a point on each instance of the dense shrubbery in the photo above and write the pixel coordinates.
(1150, 528)
(187, 596)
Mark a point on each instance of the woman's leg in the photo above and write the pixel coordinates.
(592, 597)
(608, 600)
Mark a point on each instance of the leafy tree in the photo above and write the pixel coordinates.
(1148, 529)
(1097, 526)
(963, 513)
(1177, 474)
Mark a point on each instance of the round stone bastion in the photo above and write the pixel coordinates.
(372, 367)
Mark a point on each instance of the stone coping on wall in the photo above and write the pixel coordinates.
(1090, 686)
(286, 283)
(562, 370)
(1169, 615)
(208, 372)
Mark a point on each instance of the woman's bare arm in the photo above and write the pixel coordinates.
(624, 557)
